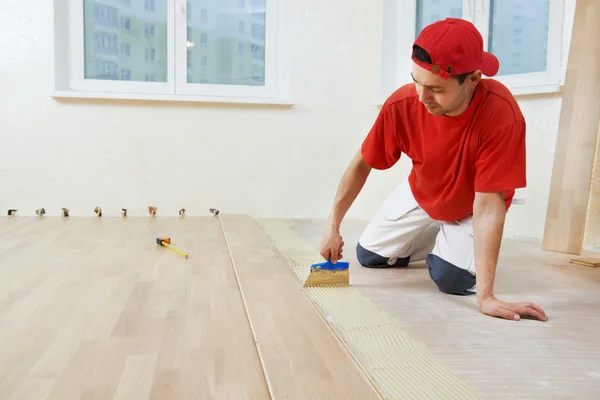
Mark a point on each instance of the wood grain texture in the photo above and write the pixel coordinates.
(592, 226)
(400, 365)
(94, 309)
(301, 356)
(587, 261)
(577, 135)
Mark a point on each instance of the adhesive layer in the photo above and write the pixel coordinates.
(400, 365)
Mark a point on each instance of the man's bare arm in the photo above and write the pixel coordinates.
(351, 184)
(489, 213)
(488, 224)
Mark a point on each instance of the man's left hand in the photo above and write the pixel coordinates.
(496, 308)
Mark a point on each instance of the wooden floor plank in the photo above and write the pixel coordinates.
(302, 358)
(95, 309)
(568, 200)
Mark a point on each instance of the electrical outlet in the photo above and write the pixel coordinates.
(516, 200)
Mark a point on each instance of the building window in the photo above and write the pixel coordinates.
(164, 39)
(125, 74)
(149, 4)
(126, 24)
(258, 31)
(533, 67)
(125, 50)
(151, 55)
(105, 43)
(106, 70)
(105, 15)
(258, 52)
(149, 30)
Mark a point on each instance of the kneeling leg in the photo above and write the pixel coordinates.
(399, 233)
(451, 263)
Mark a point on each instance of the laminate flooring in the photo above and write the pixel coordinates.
(93, 308)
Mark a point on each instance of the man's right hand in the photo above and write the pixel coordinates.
(332, 244)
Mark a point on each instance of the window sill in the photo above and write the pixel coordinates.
(60, 95)
(533, 90)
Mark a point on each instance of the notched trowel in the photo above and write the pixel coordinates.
(328, 274)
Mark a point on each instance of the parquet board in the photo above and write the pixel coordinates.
(93, 308)
(303, 359)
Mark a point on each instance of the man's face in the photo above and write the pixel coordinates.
(441, 96)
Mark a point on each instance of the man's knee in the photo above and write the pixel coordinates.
(450, 278)
(370, 259)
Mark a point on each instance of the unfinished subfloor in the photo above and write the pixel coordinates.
(558, 359)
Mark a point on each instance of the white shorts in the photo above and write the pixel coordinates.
(402, 232)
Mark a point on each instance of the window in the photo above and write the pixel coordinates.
(105, 15)
(105, 70)
(105, 43)
(529, 29)
(150, 55)
(125, 49)
(258, 31)
(149, 30)
(126, 24)
(140, 48)
(525, 35)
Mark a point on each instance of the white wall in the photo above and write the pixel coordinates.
(263, 161)
(257, 160)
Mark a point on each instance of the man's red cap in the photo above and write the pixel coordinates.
(455, 47)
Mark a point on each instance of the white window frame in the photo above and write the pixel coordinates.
(398, 35)
(70, 64)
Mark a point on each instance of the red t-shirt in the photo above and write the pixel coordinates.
(481, 150)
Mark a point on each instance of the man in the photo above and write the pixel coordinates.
(466, 138)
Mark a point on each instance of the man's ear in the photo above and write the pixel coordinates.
(474, 78)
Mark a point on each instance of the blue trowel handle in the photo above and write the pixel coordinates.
(329, 266)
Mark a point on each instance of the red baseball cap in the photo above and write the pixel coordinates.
(455, 47)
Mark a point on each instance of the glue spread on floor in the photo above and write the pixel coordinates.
(400, 365)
